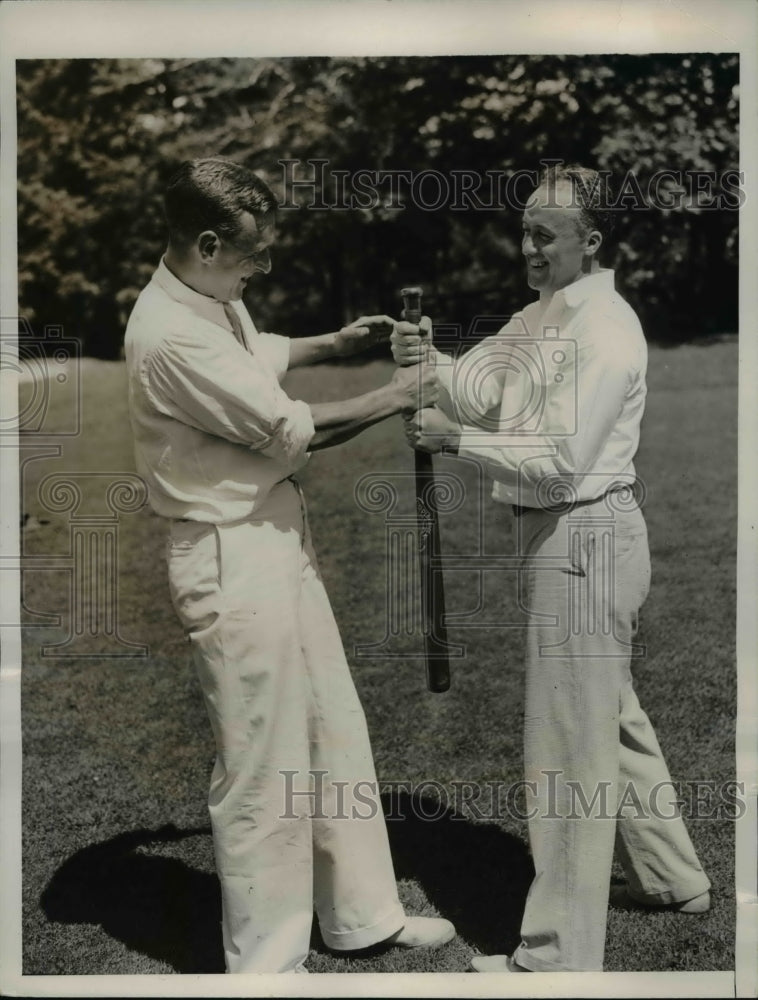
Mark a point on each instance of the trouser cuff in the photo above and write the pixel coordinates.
(364, 937)
(678, 895)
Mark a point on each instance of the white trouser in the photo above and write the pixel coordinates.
(584, 575)
(286, 719)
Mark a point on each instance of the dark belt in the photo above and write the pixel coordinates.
(566, 508)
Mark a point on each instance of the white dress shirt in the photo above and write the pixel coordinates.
(213, 429)
(554, 397)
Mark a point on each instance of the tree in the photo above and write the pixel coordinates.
(98, 139)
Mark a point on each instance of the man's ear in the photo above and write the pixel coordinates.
(592, 242)
(208, 245)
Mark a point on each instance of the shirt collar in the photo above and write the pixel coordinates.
(202, 305)
(590, 284)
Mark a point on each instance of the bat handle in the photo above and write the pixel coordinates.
(432, 587)
(432, 590)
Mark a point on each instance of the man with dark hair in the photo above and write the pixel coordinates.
(294, 806)
(551, 407)
(215, 191)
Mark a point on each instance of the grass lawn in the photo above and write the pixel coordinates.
(117, 859)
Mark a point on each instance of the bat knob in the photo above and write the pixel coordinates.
(412, 302)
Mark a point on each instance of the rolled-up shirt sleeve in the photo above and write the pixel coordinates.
(294, 430)
(221, 389)
(276, 350)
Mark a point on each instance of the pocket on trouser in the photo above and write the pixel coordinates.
(192, 558)
(249, 663)
(542, 546)
(632, 571)
(615, 559)
(590, 576)
(216, 652)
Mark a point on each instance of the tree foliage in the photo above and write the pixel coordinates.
(98, 139)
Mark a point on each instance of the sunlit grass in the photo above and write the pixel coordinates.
(116, 749)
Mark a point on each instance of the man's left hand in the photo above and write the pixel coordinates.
(362, 334)
(430, 430)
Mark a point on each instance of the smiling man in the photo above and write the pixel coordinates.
(551, 408)
(217, 440)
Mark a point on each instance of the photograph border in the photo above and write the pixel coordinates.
(51, 29)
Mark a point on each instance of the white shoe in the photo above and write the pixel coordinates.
(422, 932)
(621, 899)
(495, 963)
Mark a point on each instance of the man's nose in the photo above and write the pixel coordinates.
(527, 244)
(263, 262)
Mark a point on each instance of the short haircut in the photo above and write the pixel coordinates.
(212, 194)
(591, 192)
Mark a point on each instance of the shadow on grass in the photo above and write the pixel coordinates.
(474, 874)
(158, 906)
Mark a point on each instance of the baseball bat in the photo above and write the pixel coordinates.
(436, 658)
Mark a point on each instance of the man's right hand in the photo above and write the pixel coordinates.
(418, 387)
(410, 343)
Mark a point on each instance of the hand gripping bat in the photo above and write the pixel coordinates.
(432, 588)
